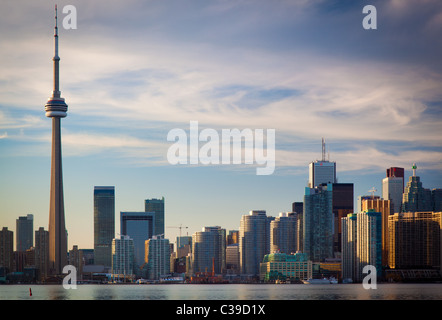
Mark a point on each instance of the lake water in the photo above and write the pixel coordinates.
(400, 291)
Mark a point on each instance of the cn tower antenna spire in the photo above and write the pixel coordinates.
(56, 109)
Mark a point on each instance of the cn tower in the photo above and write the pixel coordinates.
(56, 109)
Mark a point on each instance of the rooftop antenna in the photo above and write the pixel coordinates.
(372, 190)
(414, 167)
(323, 149)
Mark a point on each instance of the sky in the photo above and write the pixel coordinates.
(134, 70)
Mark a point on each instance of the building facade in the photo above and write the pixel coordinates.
(254, 241)
(139, 226)
(156, 206)
(393, 188)
(416, 197)
(6, 249)
(318, 222)
(369, 242)
(282, 266)
(24, 233)
(349, 246)
(283, 233)
(209, 250)
(415, 240)
(321, 172)
(343, 204)
(382, 206)
(361, 244)
(42, 252)
(122, 257)
(157, 257)
(104, 224)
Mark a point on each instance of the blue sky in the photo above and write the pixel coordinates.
(134, 70)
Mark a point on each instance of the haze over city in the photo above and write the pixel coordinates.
(133, 71)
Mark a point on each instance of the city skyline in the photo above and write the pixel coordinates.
(307, 69)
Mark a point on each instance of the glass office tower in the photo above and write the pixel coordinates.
(157, 206)
(139, 226)
(104, 224)
(318, 222)
(24, 233)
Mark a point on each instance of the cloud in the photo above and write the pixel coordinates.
(230, 64)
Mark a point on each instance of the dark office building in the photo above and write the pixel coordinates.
(104, 224)
(342, 205)
(157, 206)
(24, 233)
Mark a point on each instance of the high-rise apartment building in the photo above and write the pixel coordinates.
(321, 171)
(416, 197)
(24, 233)
(298, 212)
(123, 257)
(393, 188)
(76, 260)
(6, 249)
(232, 258)
(254, 241)
(139, 226)
(415, 240)
(382, 206)
(42, 252)
(157, 257)
(361, 244)
(369, 242)
(104, 224)
(349, 246)
(209, 250)
(232, 237)
(157, 206)
(283, 233)
(318, 222)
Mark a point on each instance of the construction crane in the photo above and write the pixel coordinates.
(180, 227)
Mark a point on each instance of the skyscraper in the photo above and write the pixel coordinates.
(42, 252)
(393, 188)
(415, 240)
(157, 257)
(56, 109)
(321, 171)
(349, 245)
(416, 197)
(436, 198)
(6, 248)
(318, 222)
(139, 226)
(209, 250)
(24, 233)
(382, 206)
(254, 241)
(157, 206)
(283, 233)
(123, 257)
(342, 206)
(298, 212)
(369, 242)
(104, 224)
